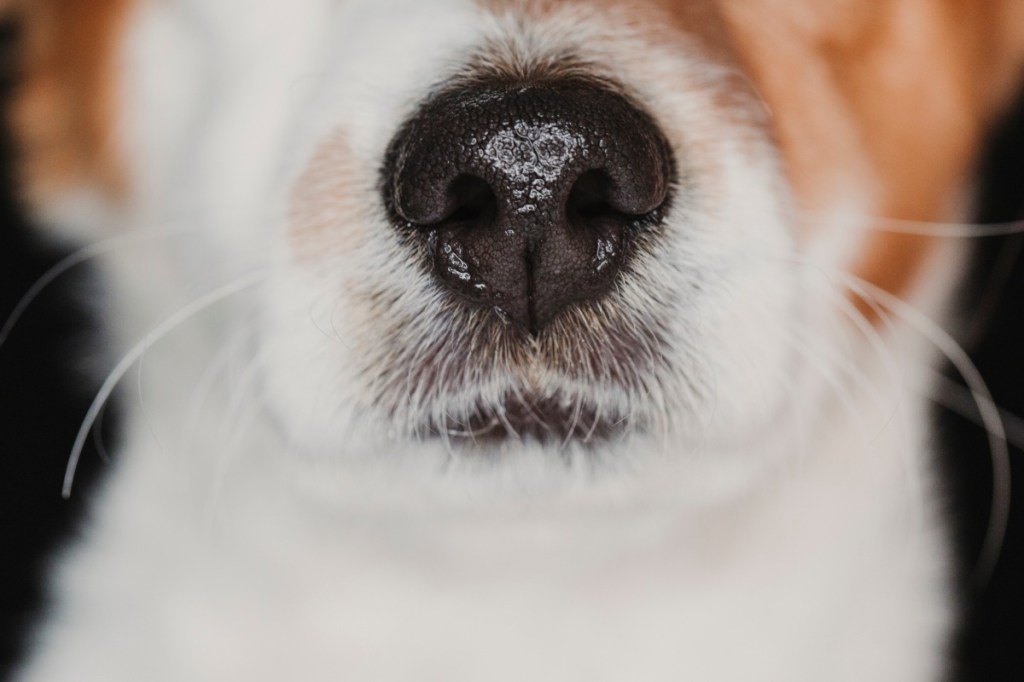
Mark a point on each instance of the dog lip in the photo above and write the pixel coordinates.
(584, 380)
(527, 418)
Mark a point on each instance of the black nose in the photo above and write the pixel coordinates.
(529, 196)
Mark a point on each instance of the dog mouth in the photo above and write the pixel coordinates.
(545, 420)
(587, 380)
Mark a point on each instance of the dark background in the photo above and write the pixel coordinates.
(42, 398)
(42, 395)
(991, 646)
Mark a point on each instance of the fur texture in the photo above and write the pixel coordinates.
(292, 497)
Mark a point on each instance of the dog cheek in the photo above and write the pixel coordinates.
(324, 210)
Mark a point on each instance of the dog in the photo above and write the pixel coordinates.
(500, 339)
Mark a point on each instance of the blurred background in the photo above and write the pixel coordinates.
(43, 393)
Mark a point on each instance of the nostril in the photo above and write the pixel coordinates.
(592, 198)
(467, 199)
(472, 201)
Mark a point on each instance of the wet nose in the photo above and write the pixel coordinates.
(529, 197)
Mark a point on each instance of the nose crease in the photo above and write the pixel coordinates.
(530, 196)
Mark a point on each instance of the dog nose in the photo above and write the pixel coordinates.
(529, 197)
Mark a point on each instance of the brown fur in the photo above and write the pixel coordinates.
(889, 97)
(65, 111)
(879, 102)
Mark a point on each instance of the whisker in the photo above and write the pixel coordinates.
(991, 418)
(235, 418)
(69, 262)
(989, 412)
(473, 433)
(576, 415)
(958, 399)
(97, 438)
(201, 393)
(896, 372)
(136, 352)
(922, 228)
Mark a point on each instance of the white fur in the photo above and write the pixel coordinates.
(770, 517)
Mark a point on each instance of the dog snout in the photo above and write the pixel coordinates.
(529, 196)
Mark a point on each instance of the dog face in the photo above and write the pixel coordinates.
(506, 225)
(536, 320)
